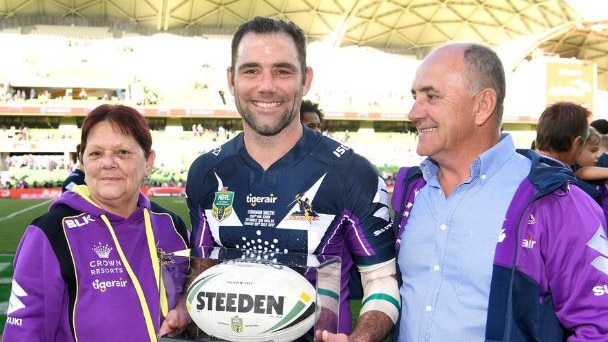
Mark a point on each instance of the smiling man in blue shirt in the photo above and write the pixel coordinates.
(494, 245)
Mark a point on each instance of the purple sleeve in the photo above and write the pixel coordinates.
(575, 254)
(39, 299)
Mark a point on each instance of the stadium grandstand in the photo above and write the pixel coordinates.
(168, 59)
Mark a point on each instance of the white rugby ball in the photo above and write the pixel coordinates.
(248, 301)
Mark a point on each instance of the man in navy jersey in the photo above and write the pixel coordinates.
(278, 187)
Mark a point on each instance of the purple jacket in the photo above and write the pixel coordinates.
(550, 276)
(71, 282)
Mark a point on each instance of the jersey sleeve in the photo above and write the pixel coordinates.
(370, 239)
(38, 302)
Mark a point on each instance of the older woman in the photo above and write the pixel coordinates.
(88, 269)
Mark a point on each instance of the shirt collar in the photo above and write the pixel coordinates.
(484, 165)
(557, 161)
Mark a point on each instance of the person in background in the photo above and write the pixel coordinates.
(290, 173)
(311, 115)
(561, 135)
(562, 131)
(601, 125)
(87, 270)
(76, 177)
(585, 168)
(493, 245)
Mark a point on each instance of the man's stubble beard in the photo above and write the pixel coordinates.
(267, 130)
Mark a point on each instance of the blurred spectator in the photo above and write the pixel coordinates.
(586, 169)
(77, 176)
(311, 115)
(601, 125)
(561, 134)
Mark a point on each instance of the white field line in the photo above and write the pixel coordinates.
(4, 305)
(24, 210)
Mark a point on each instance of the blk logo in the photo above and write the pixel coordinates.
(79, 222)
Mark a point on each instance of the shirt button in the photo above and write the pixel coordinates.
(428, 308)
(443, 227)
(436, 268)
(484, 177)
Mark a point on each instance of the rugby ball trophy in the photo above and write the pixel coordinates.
(249, 301)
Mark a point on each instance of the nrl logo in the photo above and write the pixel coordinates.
(236, 324)
(222, 204)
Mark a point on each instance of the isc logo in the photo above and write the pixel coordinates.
(338, 152)
(79, 222)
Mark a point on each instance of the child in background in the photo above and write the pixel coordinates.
(587, 170)
(586, 164)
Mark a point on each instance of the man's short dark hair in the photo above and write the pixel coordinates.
(265, 25)
(559, 124)
(309, 106)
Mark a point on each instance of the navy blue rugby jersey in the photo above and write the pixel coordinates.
(320, 198)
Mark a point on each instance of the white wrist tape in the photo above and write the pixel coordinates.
(380, 290)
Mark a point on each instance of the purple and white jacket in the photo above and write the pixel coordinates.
(550, 274)
(74, 281)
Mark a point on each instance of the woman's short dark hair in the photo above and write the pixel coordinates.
(126, 120)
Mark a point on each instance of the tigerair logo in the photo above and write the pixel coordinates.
(79, 222)
(254, 200)
(103, 286)
(102, 251)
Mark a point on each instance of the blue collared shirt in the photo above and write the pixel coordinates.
(447, 248)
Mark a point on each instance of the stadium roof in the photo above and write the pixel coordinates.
(409, 27)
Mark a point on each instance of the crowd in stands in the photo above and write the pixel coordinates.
(21, 133)
(12, 95)
(47, 58)
(49, 171)
(45, 171)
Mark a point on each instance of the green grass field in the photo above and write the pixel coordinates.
(16, 214)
